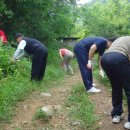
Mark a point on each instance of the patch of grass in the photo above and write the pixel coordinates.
(15, 84)
(41, 115)
(81, 108)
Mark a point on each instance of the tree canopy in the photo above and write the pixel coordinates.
(106, 17)
(50, 19)
(43, 19)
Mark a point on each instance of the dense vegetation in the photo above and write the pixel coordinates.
(47, 20)
(15, 81)
(105, 18)
(50, 19)
(43, 19)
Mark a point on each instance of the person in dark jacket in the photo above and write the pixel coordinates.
(38, 51)
(84, 51)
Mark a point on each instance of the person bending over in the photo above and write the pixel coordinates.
(38, 51)
(84, 51)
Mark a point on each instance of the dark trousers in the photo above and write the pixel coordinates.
(39, 64)
(82, 58)
(117, 68)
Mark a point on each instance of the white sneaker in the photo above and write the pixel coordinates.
(94, 90)
(127, 125)
(117, 119)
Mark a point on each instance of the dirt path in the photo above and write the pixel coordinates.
(103, 110)
(26, 109)
(60, 121)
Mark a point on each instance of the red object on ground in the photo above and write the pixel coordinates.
(2, 34)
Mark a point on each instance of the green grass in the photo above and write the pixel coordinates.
(15, 86)
(81, 108)
(41, 115)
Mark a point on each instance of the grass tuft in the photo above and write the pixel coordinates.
(81, 107)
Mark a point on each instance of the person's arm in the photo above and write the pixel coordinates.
(101, 72)
(19, 53)
(91, 53)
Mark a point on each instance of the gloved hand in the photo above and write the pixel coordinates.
(89, 65)
(101, 73)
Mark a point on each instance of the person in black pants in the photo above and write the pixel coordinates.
(84, 51)
(38, 51)
(116, 64)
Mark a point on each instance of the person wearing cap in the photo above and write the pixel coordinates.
(38, 51)
(116, 64)
(84, 51)
(66, 57)
(3, 37)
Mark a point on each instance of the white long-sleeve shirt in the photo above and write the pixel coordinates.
(19, 53)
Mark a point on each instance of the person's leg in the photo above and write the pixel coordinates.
(34, 67)
(126, 84)
(42, 66)
(65, 58)
(82, 58)
(69, 68)
(112, 67)
(38, 64)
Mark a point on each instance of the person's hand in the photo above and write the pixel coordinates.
(17, 60)
(13, 61)
(89, 65)
(101, 73)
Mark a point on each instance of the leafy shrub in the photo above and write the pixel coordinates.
(7, 67)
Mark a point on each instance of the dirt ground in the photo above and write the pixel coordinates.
(23, 120)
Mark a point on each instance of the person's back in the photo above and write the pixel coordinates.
(121, 45)
(65, 51)
(89, 41)
(32, 45)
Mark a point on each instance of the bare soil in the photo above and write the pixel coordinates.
(23, 119)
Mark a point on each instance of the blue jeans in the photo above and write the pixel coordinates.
(82, 58)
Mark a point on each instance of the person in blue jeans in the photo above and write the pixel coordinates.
(116, 64)
(84, 51)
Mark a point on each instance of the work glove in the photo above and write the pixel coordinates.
(101, 73)
(89, 65)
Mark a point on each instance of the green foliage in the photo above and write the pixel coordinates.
(42, 19)
(106, 18)
(15, 84)
(7, 67)
(81, 108)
